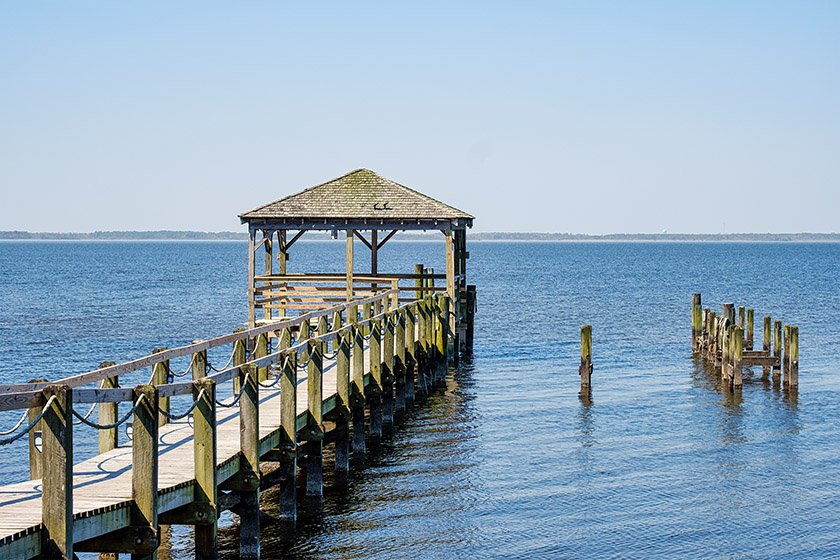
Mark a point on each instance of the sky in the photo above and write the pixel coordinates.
(581, 117)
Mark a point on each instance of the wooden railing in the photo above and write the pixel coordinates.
(285, 294)
(407, 345)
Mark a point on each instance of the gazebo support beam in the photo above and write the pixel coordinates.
(269, 261)
(252, 236)
(374, 250)
(350, 234)
(387, 237)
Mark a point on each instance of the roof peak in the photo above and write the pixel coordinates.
(361, 194)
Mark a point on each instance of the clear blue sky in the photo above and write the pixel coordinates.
(584, 117)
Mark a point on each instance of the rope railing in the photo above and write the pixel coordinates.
(224, 367)
(116, 424)
(89, 412)
(31, 425)
(237, 397)
(173, 417)
(18, 425)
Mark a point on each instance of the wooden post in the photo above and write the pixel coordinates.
(357, 395)
(287, 500)
(418, 282)
(712, 335)
(441, 313)
(366, 314)
(387, 373)
(737, 357)
(394, 303)
(282, 257)
(421, 355)
(777, 343)
(586, 367)
(350, 265)
(729, 312)
(748, 334)
(269, 263)
(303, 334)
(249, 464)
(252, 234)
(205, 489)
(352, 314)
(410, 354)
(240, 356)
(35, 439)
(57, 484)
(793, 360)
(199, 364)
(374, 251)
(767, 342)
(313, 433)
(109, 438)
(785, 353)
(342, 406)
(726, 351)
(454, 297)
(741, 317)
(144, 473)
(160, 376)
(470, 320)
(261, 351)
(374, 390)
(696, 320)
(399, 366)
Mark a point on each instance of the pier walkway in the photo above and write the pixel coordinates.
(298, 384)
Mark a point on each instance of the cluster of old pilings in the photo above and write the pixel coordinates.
(728, 345)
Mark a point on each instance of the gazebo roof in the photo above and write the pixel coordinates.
(360, 198)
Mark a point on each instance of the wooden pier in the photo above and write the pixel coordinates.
(335, 360)
(726, 344)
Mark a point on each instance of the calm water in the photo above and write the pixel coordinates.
(507, 462)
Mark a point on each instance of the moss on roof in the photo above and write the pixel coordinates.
(357, 195)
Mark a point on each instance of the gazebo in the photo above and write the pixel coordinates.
(359, 203)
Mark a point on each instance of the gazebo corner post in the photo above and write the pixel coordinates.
(268, 234)
(252, 238)
(452, 344)
(350, 236)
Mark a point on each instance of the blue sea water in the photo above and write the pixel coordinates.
(508, 462)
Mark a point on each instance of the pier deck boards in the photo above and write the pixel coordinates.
(102, 484)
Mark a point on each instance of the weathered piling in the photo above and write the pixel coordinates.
(748, 334)
(247, 480)
(160, 377)
(357, 395)
(742, 315)
(729, 312)
(410, 354)
(108, 412)
(374, 389)
(387, 373)
(206, 486)
(56, 500)
(399, 366)
(342, 413)
(36, 459)
(737, 357)
(287, 447)
(792, 360)
(586, 367)
(696, 321)
(313, 433)
(777, 345)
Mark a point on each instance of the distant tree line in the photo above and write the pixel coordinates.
(171, 235)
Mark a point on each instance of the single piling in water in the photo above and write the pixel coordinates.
(792, 361)
(696, 321)
(585, 369)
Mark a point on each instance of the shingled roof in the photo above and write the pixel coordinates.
(358, 196)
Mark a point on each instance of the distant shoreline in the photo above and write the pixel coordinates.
(432, 236)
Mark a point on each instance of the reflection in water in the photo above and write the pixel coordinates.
(408, 496)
